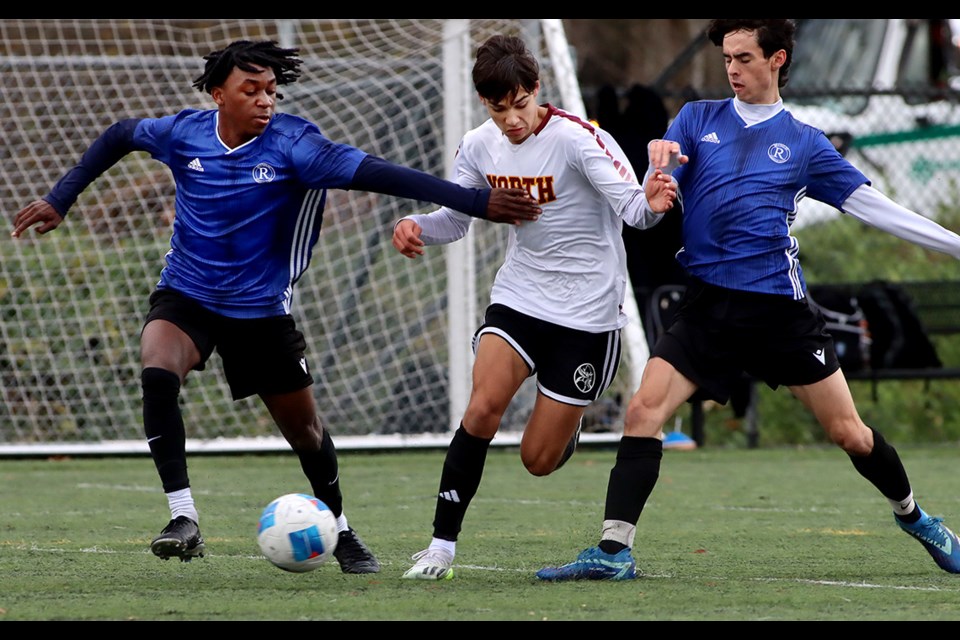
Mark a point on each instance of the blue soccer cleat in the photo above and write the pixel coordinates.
(594, 564)
(937, 539)
(678, 441)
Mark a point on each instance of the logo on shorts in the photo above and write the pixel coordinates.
(584, 377)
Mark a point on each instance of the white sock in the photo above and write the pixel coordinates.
(181, 504)
(619, 531)
(447, 545)
(342, 523)
(905, 506)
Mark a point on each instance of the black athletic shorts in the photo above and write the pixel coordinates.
(572, 366)
(717, 334)
(261, 356)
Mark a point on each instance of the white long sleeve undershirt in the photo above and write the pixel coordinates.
(873, 208)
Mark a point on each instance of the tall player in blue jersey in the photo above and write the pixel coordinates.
(743, 164)
(251, 187)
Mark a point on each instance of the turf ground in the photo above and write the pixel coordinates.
(752, 535)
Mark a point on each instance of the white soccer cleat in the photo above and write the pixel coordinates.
(431, 564)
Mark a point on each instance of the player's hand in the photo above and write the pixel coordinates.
(661, 191)
(665, 155)
(512, 206)
(38, 212)
(406, 238)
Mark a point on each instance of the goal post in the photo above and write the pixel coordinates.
(461, 256)
(388, 338)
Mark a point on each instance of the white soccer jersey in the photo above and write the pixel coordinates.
(569, 267)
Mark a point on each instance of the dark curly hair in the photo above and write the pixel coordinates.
(243, 54)
(772, 35)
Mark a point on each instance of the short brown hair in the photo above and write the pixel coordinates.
(504, 64)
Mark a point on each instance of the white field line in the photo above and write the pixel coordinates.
(259, 558)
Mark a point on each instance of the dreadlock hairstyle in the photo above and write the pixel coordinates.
(243, 54)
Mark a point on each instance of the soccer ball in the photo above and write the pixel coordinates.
(297, 532)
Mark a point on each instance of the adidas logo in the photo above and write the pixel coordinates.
(195, 165)
(452, 496)
(710, 137)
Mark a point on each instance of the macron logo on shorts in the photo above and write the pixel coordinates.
(819, 355)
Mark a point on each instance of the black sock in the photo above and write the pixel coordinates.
(883, 468)
(632, 478)
(611, 546)
(459, 482)
(163, 427)
(323, 472)
(910, 518)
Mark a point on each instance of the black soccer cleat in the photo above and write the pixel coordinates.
(179, 539)
(353, 555)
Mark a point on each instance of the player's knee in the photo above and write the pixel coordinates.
(482, 419)
(302, 435)
(538, 464)
(644, 416)
(851, 435)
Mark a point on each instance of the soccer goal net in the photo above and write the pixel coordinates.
(388, 338)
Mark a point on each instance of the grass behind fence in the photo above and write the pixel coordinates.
(767, 534)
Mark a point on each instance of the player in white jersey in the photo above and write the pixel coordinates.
(251, 188)
(556, 306)
(745, 163)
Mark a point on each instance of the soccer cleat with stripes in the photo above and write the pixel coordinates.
(937, 539)
(594, 564)
(431, 564)
(179, 539)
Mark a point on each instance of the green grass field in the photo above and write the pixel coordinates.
(776, 534)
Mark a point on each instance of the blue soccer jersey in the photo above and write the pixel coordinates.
(741, 189)
(247, 218)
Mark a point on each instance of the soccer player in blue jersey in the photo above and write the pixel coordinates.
(251, 187)
(742, 165)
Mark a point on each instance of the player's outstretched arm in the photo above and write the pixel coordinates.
(510, 206)
(47, 214)
(38, 213)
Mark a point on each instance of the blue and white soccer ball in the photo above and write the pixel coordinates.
(297, 532)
